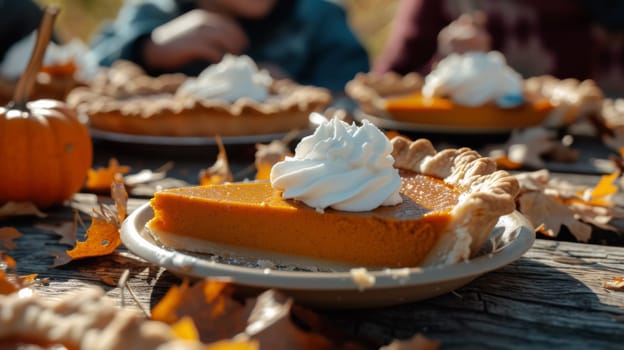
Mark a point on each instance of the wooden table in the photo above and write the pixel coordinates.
(551, 298)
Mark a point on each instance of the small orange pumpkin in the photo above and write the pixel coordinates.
(45, 151)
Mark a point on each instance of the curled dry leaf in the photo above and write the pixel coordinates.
(147, 182)
(10, 282)
(210, 304)
(148, 175)
(10, 209)
(549, 204)
(120, 196)
(529, 147)
(616, 283)
(68, 231)
(101, 179)
(103, 234)
(220, 171)
(267, 155)
(7, 235)
(271, 320)
(549, 214)
(417, 342)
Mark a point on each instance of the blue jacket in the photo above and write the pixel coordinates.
(314, 44)
(17, 20)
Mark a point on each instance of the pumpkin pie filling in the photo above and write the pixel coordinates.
(254, 215)
(439, 111)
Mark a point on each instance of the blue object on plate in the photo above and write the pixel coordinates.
(510, 101)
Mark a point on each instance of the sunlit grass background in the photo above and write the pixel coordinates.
(370, 19)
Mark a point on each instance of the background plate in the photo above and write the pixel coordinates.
(391, 124)
(511, 238)
(148, 140)
(188, 140)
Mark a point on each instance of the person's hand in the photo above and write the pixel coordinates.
(467, 33)
(195, 35)
(275, 71)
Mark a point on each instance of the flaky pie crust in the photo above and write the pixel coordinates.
(486, 194)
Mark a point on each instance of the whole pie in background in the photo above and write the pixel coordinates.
(474, 90)
(124, 99)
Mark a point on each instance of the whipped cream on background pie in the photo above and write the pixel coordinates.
(474, 79)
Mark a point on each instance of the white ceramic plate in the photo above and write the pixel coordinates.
(149, 140)
(511, 238)
(391, 124)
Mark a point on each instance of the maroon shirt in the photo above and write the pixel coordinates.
(557, 37)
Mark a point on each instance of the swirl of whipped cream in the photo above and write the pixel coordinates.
(475, 78)
(232, 78)
(341, 166)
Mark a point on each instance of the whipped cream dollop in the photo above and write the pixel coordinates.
(233, 78)
(18, 55)
(341, 166)
(475, 78)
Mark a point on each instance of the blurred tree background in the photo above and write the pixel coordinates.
(370, 19)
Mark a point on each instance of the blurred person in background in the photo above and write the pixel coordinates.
(582, 39)
(308, 41)
(19, 19)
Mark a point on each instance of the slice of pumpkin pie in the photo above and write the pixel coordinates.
(352, 196)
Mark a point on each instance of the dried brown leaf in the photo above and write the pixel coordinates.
(185, 329)
(603, 191)
(103, 234)
(20, 209)
(85, 202)
(212, 306)
(553, 202)
(60, 258)
(417, 342)
(234, 344)
(120, 196)
(68, 231)
(101, 179)
(267, 155)
(542, 209)
(10, 282)
(271, 320)
(616, 283)
(148, 175)
(600, 216)
(220, 171)
(102, 239)
(526, 147)
(7, 235)
(533, 181)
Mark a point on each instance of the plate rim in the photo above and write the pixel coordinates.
(189, 265)
(391, 124)
(152, 140)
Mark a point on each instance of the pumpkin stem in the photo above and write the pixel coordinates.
(27, 80)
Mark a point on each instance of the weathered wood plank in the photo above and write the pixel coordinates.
(535, 302)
